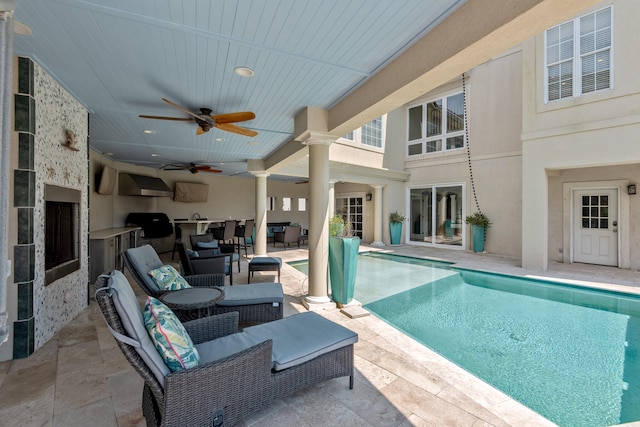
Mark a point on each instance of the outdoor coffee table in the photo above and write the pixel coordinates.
(186, 302)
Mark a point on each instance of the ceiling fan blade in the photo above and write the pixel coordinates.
(236, 129)
(200, 131)
(181, 108)
(181, 119)
(241, 116)
(210, 170)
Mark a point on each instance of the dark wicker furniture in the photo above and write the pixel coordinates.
(192, 303)
(290, 235)
(266, 263)
(224, 391)
(254, 303)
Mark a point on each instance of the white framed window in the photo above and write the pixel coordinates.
(371, 134)
(302, 204)
(436, 126)
(578, 56)
(271, 203)
(286, 204)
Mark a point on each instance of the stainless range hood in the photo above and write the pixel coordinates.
(130, 184)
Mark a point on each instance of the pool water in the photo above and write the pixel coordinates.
(569, 353)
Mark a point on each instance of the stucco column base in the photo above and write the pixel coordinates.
(313, 303)
(377, 244)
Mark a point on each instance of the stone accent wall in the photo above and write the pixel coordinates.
(44, 111)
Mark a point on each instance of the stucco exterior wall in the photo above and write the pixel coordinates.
(586, 132)
(494, 125)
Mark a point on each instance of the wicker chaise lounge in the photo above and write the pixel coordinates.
(239, 372)
(254, 303)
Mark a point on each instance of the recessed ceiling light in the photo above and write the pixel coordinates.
(220, 139)
(244, 71)
(109, 153)
(149, 131)
(252, 142)
(154, 155)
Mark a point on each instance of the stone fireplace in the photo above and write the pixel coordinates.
(49, 253)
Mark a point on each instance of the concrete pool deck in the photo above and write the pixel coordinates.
(80, 377)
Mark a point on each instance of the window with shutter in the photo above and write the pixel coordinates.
(578, 55)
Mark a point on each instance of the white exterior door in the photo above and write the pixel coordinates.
(595, 226)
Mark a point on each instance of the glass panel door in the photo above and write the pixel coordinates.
(351, 208)
(436, 215)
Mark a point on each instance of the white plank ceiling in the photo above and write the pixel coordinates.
(120, 57)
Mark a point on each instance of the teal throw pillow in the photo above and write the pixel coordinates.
(192, 254)
(167, 278)
(207, 245)
(169, 336)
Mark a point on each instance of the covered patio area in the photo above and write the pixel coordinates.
(81, 378)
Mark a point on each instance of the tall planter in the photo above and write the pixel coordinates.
(343, 264)
(395, 230)
(478, 233)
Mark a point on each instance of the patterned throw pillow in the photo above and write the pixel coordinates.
(168, 278)
(169, 336)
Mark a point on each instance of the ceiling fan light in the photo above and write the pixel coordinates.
(244, 71)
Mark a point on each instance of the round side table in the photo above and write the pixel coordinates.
(186, 302)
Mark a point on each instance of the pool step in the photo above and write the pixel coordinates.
(354, 311)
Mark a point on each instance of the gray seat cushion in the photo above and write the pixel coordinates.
(126, 303)
(296, 339)
(252, 294)
(301, 337)
(211, 351)
(266, 260)
(144, 259)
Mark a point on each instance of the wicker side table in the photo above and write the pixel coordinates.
(192, 303)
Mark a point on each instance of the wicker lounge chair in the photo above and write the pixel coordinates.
(254, 303)
(238, 372)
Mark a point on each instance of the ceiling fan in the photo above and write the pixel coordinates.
(206, 121)
(191, 167)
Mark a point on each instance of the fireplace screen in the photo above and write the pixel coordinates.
(62, 232)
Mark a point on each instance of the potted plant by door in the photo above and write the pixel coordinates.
(395, 227)
(479, 224)
(343, 259)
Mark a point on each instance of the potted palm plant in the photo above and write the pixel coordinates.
(479, 224)
(343, 259)
(395, 227)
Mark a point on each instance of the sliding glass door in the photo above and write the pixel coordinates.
(436, 215)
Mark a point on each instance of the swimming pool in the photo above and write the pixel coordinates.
(567, 352)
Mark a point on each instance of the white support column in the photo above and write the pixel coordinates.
(260, 247)
(332, 198)
(317, 297)
(377, 216)
(6, 102)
